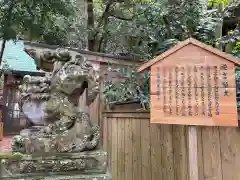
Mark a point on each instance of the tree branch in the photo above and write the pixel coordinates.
(120, 17)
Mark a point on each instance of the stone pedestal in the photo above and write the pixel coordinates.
(90, 165)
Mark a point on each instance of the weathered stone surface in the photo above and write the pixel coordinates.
(59, 163)
(72, 177)
(66, 128)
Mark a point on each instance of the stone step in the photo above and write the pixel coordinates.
(57, 163)
(105, 176)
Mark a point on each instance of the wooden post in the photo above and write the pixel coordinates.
(192, 150)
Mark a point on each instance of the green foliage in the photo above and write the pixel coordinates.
(218, 3)
(134, 88)
(5, 69)
(236, 50)
(237, 47)
(139, 28)
(231, 41)
(155, 29)
(146, 28)
(238, 87)
(32, 19)
(170, 24)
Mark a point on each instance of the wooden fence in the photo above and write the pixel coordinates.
(138, 150)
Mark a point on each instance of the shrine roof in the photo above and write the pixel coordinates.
(16, 59)
(182, 44)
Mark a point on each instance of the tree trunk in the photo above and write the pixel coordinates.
(2, 50)
(94, 42)
(218, 32)
(91, 44)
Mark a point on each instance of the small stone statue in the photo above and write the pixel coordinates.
(66, 128)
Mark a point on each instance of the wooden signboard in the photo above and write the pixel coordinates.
(193, 84)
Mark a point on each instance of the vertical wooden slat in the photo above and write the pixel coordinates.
(93, 110)
(156, 168)
(137, 159)
(110, 135)
(145, 148)
(192, 149)
(230, 148)
(105, 133)
(167, 152)
(128, 150)
(200, 154)
(114, 148)
(211, 153)
(234, 141)
(101, 104)
(180, 152)
(121, 150)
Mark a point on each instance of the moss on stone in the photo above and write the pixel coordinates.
(39, 178)
(10, 156)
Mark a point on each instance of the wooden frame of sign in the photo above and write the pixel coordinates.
(193, 84)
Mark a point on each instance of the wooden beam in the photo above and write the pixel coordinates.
(91, 56)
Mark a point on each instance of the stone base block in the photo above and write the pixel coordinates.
(51, 164)
(70, 177)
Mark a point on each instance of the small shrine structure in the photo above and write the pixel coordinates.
(16, 63)
(193, 84)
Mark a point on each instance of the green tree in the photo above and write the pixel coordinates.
(143, 28)
(32, 19)
(138, 28)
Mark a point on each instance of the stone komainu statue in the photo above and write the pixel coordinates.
(55, 99)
